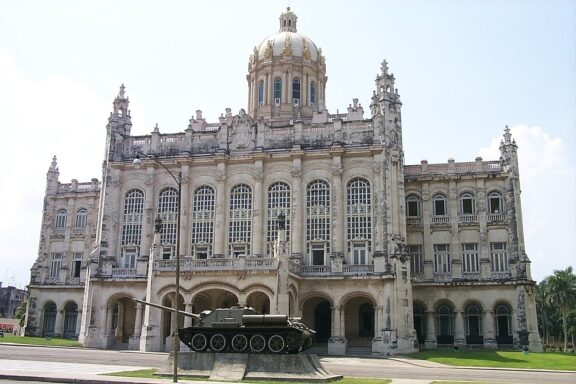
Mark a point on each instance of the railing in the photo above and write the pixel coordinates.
(51, 280)
(73, 280)
(363, 269)
(315, 270)
(500, 275)
(124, 272)
(469, 218)
(440, 219)
(443, 276)
(188, 264)
(458, 168)
(417, 276)
(492, 217)
(471, 275)
(413, 220)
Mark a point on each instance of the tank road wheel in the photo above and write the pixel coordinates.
(217, 342)
(198, 342)
(257, 343)
(294, 341)
(239, 343)
(276, 344)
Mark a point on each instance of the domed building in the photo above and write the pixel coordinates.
(289, 209)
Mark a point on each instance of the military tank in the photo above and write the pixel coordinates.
(243, 330)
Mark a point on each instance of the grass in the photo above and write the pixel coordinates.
(501, 359)
(150, 374)
(39, 341)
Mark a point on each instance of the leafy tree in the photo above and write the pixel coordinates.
(561, 292)
(21, 313)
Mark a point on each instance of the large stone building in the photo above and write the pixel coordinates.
(376, 255)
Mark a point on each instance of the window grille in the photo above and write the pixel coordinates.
(442, 263)
(168, 212)
(499, 257)
(132, 220)
(61, 216)
(240, 224)
(470, 259)
(203, 221)
(277, 90)
(278, 202)
(296, 91)
(359, 220)
(56, 264)
(318, 214)
(416, 262)
(81, 218)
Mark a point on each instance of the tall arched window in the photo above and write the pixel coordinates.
(503, 324)
(413, 206)
(168, 212)
(61, 217)
(203, 222)
(132, 227)
(467, 204)
(440, 205)
(495, 202)
(49, 323)
(474, 325)
(445, 324)
(278, 202)
(313, 93)
(359, 220)
(318, 221)
(70, 320)
(296, 92)
(277, 91)
(260, 92)
(240, 224)
(81, 218)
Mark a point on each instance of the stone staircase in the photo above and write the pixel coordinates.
(359, 346)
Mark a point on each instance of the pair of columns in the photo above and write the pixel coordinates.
(459, 329)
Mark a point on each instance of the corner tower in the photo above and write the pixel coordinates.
(286, 75)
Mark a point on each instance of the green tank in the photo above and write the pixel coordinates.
(243, 330)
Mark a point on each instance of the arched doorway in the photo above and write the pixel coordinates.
(474, 325)
(419, 323)
(503, 325)
(259, 301)
(366, 320)
(70, 320)
(49, 323)
(322, 321)
(168, 301)
(123, 320)
(445, 324)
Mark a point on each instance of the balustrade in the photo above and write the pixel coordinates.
(492, 217)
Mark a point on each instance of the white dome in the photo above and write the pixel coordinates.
(298, 44)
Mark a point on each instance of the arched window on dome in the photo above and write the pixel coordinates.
(296, 92)
(260, 92)
(277, 91)
(313, 93)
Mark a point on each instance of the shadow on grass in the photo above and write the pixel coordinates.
(467, 355)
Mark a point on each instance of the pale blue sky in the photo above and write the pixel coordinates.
(464, 70)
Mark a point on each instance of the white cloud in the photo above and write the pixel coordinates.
(41, 118)
(548, 183)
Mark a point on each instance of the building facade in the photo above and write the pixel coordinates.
(10, 299)
(376, 255)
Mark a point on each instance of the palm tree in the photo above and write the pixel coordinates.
(542, 308)
(561, 292)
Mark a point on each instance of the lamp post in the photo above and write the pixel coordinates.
(178, 179)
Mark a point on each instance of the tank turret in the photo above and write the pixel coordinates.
(243, 330)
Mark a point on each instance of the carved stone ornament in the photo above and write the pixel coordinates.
(258, 175)
(296, 173)
(268, 51)
(337, 171)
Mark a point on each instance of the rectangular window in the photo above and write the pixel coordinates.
(318, 251)
(201, 253)
(359, 251)
(167, 252)
(238, 250)
(412, 208)
(129, 255)
(442, 262)
(470, 259)
(499, 257)
(416, 262)
(467, 206)
(56, 264)
(76, 264)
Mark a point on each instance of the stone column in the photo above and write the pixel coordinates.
(257, 212)
(188, 319)
(59, 323)
(220, 220)
(185, 200)
(138, 320)
(488, 325)
(297, 224)
(109, 314)
(459, 334)
(337, 343)
(430, 342)
(338, 210)
(78, 322)
(118, 330)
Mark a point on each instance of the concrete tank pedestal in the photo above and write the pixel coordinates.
(239, 366)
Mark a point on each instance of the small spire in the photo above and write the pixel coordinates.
(384, 67)
(121, 93)
(54, 165)
(288, 21)
(507, 135)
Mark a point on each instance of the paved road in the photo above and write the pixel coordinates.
(395, 368)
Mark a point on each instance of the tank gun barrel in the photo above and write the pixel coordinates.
(184, 313)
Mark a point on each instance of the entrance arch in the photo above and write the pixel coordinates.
(70, 320)
(168, 301)
(317, 314)
(49, 323)
(259, 301)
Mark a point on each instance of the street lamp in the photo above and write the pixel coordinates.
(178, 179)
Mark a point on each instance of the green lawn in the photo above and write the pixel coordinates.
(39, 341)
(501, 359)
(149, 374)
